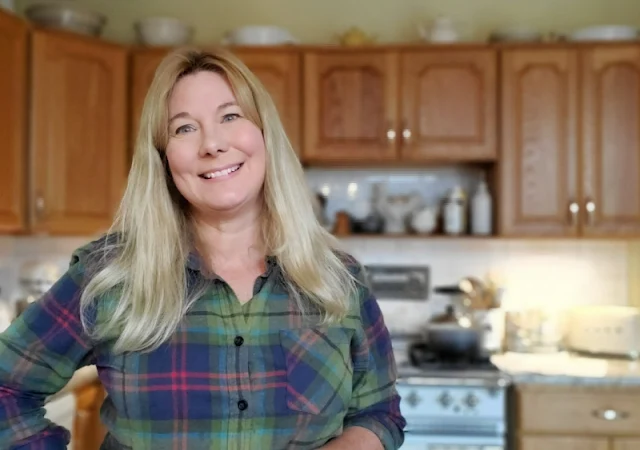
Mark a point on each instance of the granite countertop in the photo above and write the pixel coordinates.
(568, 369)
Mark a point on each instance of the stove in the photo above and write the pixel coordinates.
(452, 404)
(477, 371)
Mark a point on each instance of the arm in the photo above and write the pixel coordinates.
(374, 420)
(39, 353)
(355, 438)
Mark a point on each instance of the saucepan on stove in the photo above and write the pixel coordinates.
(452, 335)
(455, 334)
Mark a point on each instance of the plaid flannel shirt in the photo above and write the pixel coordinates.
(233, 376)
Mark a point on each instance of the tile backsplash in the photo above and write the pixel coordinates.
(549, 274)
(347, 189)
(553, 273)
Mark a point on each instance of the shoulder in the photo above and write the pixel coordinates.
(93, 255)
(362, 294)
(355, 267)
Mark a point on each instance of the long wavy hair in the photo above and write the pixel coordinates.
(146, 275)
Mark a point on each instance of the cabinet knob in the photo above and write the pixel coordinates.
(574, 209)
(590, 207)
(391, 134)
(38, 206)
(609, 414)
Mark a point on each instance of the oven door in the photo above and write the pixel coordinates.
(418, 441)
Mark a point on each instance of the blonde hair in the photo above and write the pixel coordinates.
(146, 272)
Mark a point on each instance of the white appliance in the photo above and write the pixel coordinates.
(453, 405)
(604, 330)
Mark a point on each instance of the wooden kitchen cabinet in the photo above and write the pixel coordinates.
(626, 444)
(559, 417)
(449, 105)
(563, 443)
(539, 159)
(610, 125)
(377, 105)
(78, 132)
(14, 35)
(143, 68)
(350, 106)
(279, 70)
(570, 126)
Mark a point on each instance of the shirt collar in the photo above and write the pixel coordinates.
(194, 262)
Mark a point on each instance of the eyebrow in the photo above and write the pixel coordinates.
(219, 108)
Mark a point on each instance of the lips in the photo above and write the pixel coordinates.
(217, 173)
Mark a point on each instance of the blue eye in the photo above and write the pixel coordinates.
(183, 129)
(229, 117)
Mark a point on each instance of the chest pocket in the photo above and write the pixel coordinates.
(319, 369)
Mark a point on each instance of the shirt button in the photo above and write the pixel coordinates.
(242, 405)
(239, 340)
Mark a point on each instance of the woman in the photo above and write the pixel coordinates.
(218, 311)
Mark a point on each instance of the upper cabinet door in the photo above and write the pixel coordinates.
(538, 187)
(143, 69)
(78, 131)
(280, 72)
(449, 105)
(13, 122)
(350, 106)
(611, 140)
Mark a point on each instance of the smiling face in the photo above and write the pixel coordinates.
(216, 155)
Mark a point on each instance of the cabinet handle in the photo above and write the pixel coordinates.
(391, 134)
(574, 209)
(406, 134)
(39, 206)
(590, 207)
(609, 414)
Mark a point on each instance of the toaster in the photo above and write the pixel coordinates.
(604, 330)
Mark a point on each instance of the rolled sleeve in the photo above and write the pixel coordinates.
(375, 403)
(39, 354)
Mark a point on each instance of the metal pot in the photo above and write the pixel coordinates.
(453, 335)
(452, 341)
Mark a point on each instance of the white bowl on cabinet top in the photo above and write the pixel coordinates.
(163, 31)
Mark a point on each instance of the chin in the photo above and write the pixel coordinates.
(227, 205)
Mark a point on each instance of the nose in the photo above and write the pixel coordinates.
(214, 141)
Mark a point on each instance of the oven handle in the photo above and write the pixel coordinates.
(415, 437)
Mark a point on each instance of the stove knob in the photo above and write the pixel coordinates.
(471, 400)
(445, 400)
(413, 399)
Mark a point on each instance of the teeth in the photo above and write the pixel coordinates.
(220, 173)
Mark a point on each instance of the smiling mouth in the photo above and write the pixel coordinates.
(221, 173)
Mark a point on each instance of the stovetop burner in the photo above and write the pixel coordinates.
(418, 365)
(421, 357)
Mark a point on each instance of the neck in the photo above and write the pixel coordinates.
(230, 241)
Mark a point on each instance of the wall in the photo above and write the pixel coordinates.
(556, 274)
(392, 20)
